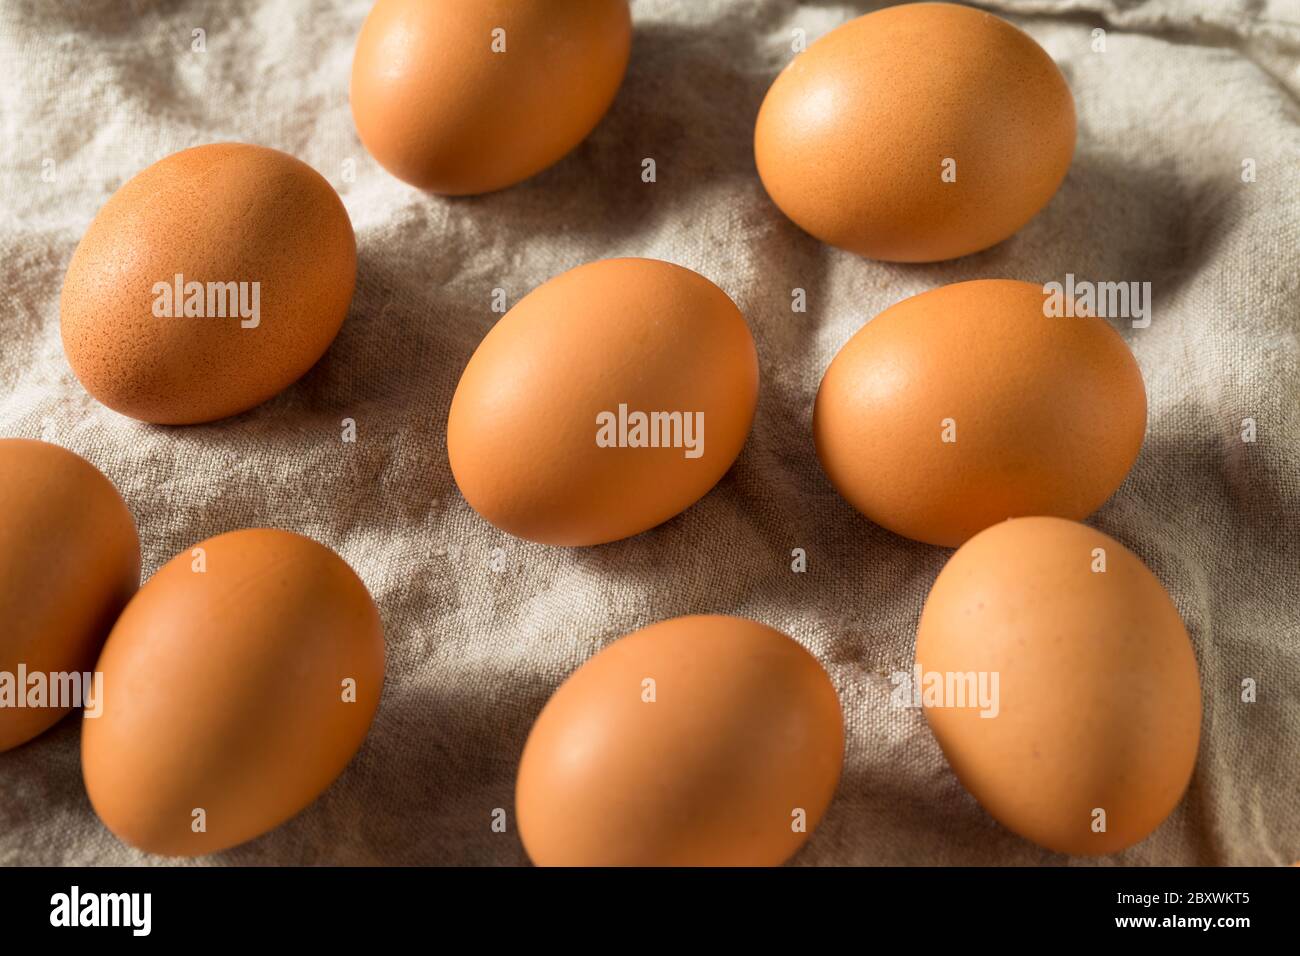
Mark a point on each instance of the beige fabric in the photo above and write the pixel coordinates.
(1183, 94)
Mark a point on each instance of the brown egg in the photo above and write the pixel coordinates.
(920, 132)
(697, 741)
(1090, 684)
(966, 405)
(208, 283)
(69, 562)
(608, 400)
(468, 97)
(237, 685)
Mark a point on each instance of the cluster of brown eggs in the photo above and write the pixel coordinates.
(242, 677)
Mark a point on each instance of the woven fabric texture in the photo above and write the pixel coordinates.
(1184, 94)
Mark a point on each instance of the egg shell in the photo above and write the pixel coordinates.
(1098, 701)
(224, 213)
(224, 690)
(1048, 413)
(69, 562)
(744, 730)
(449, 104)
(854, 137)
(524, 421)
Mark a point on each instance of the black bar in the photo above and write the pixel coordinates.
(215, 905)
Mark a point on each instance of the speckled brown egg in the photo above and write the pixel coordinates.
(69, 561)
(919, 132)
(965, 405)
(208, 283)
(470, 96)
(608, 400)
(238, 683)
(697, 741)
(1087, 741)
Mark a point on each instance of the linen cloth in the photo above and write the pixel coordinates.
(1182, 96)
